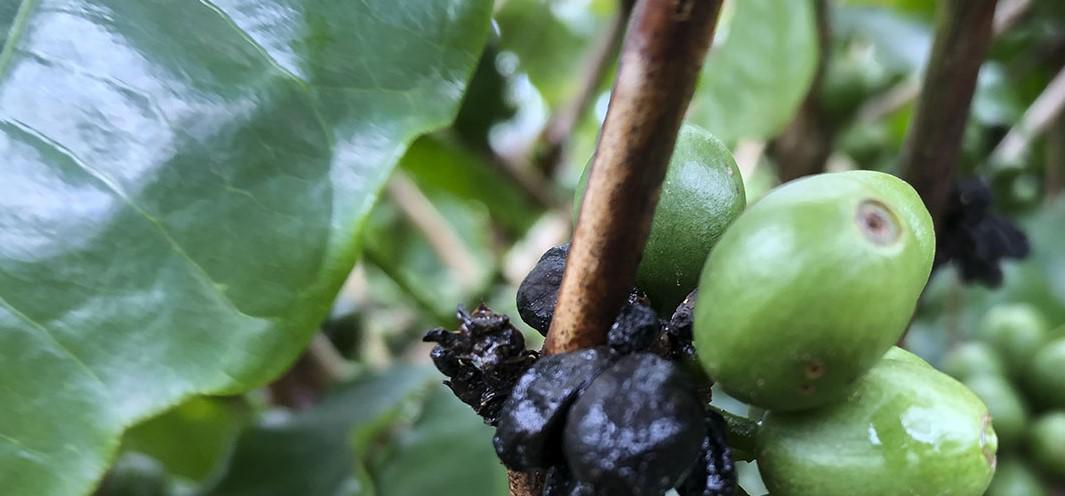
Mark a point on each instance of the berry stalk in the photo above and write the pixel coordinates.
(664, 49)
(929, 158)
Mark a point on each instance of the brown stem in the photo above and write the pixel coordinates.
(664, 50)
(559, 128)
(929, 157)
(320, 367)
(1008, 13)
(1055, 160)
(535, 186)
(804, 146)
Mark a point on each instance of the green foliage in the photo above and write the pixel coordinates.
(322, 452)
(192, 440)
(188, 185)
(447, 452)
(182, 193)
(739, 96)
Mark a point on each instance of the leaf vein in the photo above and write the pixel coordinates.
(197, 270)
(51, 337)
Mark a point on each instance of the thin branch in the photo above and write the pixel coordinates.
(445, 242)
(1036, 120)
(664, 50)
(535, 186)
(1008, 13)
(1054, 180)
(319, 367)
(525, 483)
(888, 102)
(803, 147)
(929, 157)
(555, 137)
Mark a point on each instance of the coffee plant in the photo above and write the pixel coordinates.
(532, 247)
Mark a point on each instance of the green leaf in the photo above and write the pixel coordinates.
(442, 167)
(318, 452)
(448, 452)
(900, 42)
(193, 439)
(550, 39)
(758, 71)
(183, 187)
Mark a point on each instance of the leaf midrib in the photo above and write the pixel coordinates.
(15, 33)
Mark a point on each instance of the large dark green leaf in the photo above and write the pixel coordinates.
(183, 186)
(759, 69)
(448, 452)
(192, 439)
(318, 453)
(550, 39)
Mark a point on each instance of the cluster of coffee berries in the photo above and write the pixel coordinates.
(793, 306)
(624, 418)
(1015, 365)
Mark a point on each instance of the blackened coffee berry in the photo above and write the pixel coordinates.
(529, 431)
(538, 292)
(482, 360)
(714, 473)
(636, 430)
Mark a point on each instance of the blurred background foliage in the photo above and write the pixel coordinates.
(471, 208)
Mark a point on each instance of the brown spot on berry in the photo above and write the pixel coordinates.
(813, 369)
(877, 223)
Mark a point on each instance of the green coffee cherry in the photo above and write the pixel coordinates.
(701, 195)
(1009, 416)
(906, 429)
(1045, 377)
(1046, 443)
(1016, 330)
(972, 358)
(1013, 478)
(810, 287)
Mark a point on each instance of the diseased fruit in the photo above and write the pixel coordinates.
(906, 429)
(636, 430)
(701, 195)
(679, 330)
(538, 292)
(972, 358)
(1045, 376)
(482, 360)
(714, 473)
(1009, 416)
(558, 481)
(811, 286)
(529, 430)
(636, 328)
(1013, 478)
(1017, 331)
(974, 238)
(1046, 443)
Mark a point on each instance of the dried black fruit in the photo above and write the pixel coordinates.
(636, 327)
(483, 360)
(538, 293)
(714, 473)
(679, 329)
(636, 430)
(976, 239)
(560, 482)
(529, 431)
